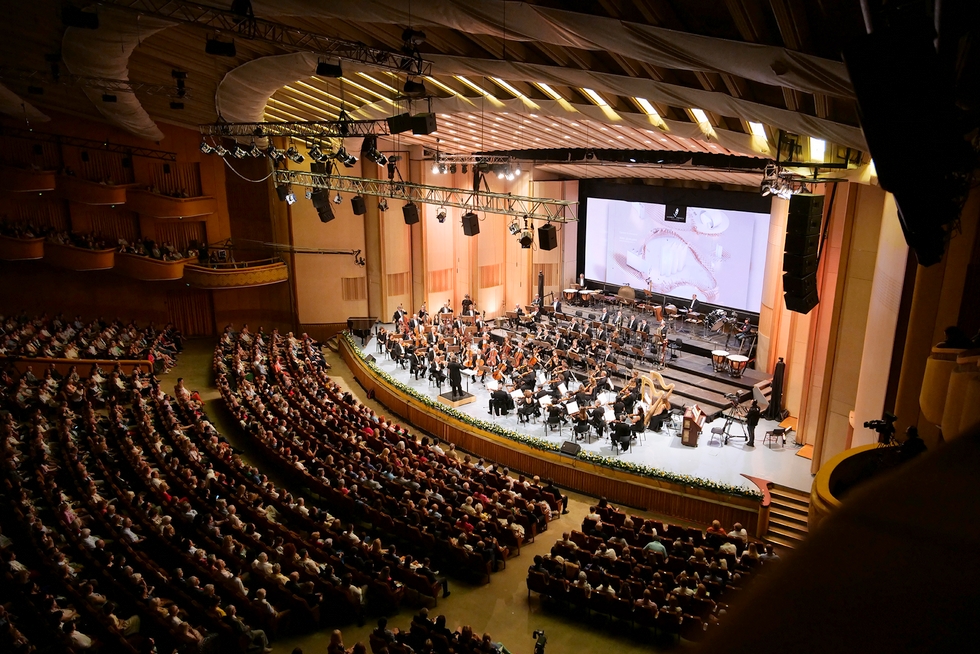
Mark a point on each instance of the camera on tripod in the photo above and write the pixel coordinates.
(885, 427)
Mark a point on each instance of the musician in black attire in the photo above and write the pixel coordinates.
(751, 421)
(500, 402)
(527, 407)
(437, 374)
(399, 314)
(467, 305)
(398, 353)
(455, 378)
(622, 434)
(597, 415)
(556, 413)
(416, 364)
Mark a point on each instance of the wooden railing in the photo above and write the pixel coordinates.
(22, 180)
(86, 192)
(148, 268)
(21, 249)
(74, 258)
(158, 205)
(694, 504)
(236, 275)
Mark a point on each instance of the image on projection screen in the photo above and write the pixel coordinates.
(719, 254)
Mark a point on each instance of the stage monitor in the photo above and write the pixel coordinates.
(679, 249)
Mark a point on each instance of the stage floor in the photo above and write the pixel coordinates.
(719, 463)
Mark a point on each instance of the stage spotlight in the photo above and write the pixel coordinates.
(239, 153)
(205, 148)
(500, 174)
(293, 155)
(275, 154)
(282, 191)
(315, 153)
(337, 199)
(442, 168)
(441, 215)
(371, 151)
(309, 194)
(220, 151)
(324, 69)
(435, 168)
(517, 169)
(514, 227)
(290, 198)
(527, 238)
(255, 151)
(382, 205)
(345, 157)
(413, 37)
(414, 89)
(466, 169)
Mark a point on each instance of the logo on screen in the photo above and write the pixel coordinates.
(675, 214)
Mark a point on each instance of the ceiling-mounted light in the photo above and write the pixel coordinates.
(294, 155)
(315, 153)
(255, 151)
(514, 227)
(371, 151)
(220, 151)
(275, 154)
(337, 199)
(413, 37)
(527, 238)
(239, 152)
(435, 168)
(414, 88)
(818, 149)
(465, 169)
(441, 215)
(517, 168)
(325, 69)
(452, 168)
(205, 148)
(290, 198)
(442, 169)
(345, 157)
(382, 205)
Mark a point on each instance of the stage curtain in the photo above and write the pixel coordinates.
(191, 311)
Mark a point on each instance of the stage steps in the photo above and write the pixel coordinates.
(788, 514)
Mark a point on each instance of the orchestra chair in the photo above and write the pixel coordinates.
(551, 422)
(774, 435)
(716, 434)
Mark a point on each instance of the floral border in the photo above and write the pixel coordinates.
(688, 481)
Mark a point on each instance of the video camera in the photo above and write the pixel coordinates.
(885, 427)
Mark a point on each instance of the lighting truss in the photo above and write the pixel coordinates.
(556, 211)
(448, 158)
(106, 84)
(284, 36)
(307, 129)
(92, 144)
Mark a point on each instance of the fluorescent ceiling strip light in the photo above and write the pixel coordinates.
(319, 101)
(378, 82)
(476, 87)
(366, 89)
(550, 92)
(647, 107)
(318, 91)
(595, 97)
(700, 116)
(507, 87)
(447, 89)
(818, 148)
(758, 129)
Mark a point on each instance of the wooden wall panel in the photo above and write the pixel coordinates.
(181, 233)
(175, 178)
(191, 311)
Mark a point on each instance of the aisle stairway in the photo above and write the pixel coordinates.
(787, 516)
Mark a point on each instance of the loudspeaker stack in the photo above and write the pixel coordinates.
(547, 237)
(800, 253)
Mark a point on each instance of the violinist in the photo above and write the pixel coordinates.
(416, 364)
(500, 402)
(527, 407)
(597, 415)
(582, 423)
(575, 348)
(557, 413)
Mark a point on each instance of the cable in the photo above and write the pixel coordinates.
(254, 181)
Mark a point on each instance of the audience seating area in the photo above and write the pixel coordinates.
(674, 580)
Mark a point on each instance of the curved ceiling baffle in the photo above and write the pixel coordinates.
(17, 107)
(105, 53)
(244, 93)
(659, 46)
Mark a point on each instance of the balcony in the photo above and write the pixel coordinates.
(22, 180)
(241, 274)
(21, 249)
(86, 192)
(156, 205)
(147, 269)
(73, 258)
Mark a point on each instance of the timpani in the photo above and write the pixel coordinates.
(737, 363)
(719, 359)
(570, 294)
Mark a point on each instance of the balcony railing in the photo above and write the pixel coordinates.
(238, 274)
(157, 205)
(21, 249)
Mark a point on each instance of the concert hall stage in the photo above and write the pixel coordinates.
(711, 460)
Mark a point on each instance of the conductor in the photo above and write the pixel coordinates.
(455, 378)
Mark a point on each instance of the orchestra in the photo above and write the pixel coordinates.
(532, 372)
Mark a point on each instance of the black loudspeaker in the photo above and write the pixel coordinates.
(357, 204)
(319, 199)
(471, 224)
(326, 213)
(411, 213)
(547, 237)
(800, 285)
(571, 448)
(282, 192)
(400, 123)
(423, 124)
(370, 358)
(800, 252)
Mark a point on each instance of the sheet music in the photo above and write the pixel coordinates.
(545, 401)
(607, 397)
(517, 394)
(493, 385)
(609, 415)
(563, 389)
(468, 372)
(572, 407)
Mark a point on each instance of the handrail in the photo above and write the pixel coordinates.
(238, 265)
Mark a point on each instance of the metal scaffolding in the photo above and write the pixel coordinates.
(284, 36)
(311, 129)
(556, 211)
(105, 84)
